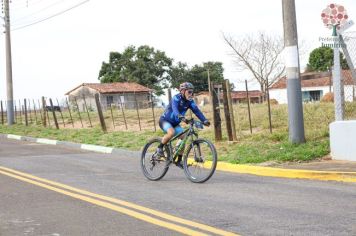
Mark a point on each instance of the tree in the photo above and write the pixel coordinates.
(144, 65)
(322, 59)
(197, 75)
(261, 55)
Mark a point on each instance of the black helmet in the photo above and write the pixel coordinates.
(186, 85)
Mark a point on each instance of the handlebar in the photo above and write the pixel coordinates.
(193, 122)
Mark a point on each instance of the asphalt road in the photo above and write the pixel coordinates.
(85, 193)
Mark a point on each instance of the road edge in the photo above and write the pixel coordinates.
(222, 166)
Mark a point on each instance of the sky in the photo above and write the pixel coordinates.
(68, 46)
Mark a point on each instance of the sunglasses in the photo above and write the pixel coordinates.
(190, 92)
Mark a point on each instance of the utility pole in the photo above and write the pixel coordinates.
(209, 82)
(9, 90)
(294, 93)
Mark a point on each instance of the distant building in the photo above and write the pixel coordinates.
(255, 96)
(128, 95)
(314, 86)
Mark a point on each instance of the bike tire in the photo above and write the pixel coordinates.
(212, 165)
(143, 161)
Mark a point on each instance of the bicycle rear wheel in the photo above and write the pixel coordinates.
(153, 167)
(200, 161)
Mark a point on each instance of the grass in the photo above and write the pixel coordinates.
(261, 146)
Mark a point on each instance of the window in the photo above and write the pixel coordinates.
(312, 96)
(316, 95)
(109, 100)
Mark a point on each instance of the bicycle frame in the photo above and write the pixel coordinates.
(190, 133)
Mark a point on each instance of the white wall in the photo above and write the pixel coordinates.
(281, 94)
(348, 91)
(342, 140)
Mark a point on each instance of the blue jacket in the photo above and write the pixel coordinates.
(179, 106)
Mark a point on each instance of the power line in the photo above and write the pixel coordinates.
(23, 5)
(33, 13)
(47, 18)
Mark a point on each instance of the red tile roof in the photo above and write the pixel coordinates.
(237, 94)
(243, 94)
(125, 87)
(314, 80)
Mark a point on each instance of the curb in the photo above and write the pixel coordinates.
(222, 166)
(86, 147)
(288, 173)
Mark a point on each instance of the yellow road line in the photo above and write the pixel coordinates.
(165, 216)
(282, 173)
(131, 213)
(288, 173)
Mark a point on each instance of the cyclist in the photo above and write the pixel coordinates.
(174, 114)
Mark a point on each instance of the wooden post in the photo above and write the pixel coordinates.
(15, 114)
(2, 114)
(227, 111)
(80, 118)
(5, 119)
(169, 95)
(44, 112)
(86, 107)
(269, 108)
(20, 111)
(39, 109)
(34, 108)
(153, 112)
(248, 106)
(54, 114)
(49, 121)
(29, 111)
(25, 111)
(100, 112)
(231, 109)
(112, 116)
(70, 113)
(216, 113)
(60, 111)
(123, 113)
(138, 114)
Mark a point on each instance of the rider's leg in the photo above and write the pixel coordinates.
(169, 133)
(179, 163)
(168, 136)
(165, 139)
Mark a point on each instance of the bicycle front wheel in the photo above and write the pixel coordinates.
(200, 161)
(154, 167)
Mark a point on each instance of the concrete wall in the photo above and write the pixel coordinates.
(343, 139)
(89, 95)
(127, 99)
(281, 94)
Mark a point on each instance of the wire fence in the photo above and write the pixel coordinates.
(143, 114)
(348, 81)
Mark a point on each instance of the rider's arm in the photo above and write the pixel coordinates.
(197, 111)
(175, 104)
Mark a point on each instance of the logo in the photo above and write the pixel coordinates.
(334, 17)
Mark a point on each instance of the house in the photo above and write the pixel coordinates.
(314, 86)
(202, 98)
(255, 96)
(127, 95)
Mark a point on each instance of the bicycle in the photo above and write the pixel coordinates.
(202, 161)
